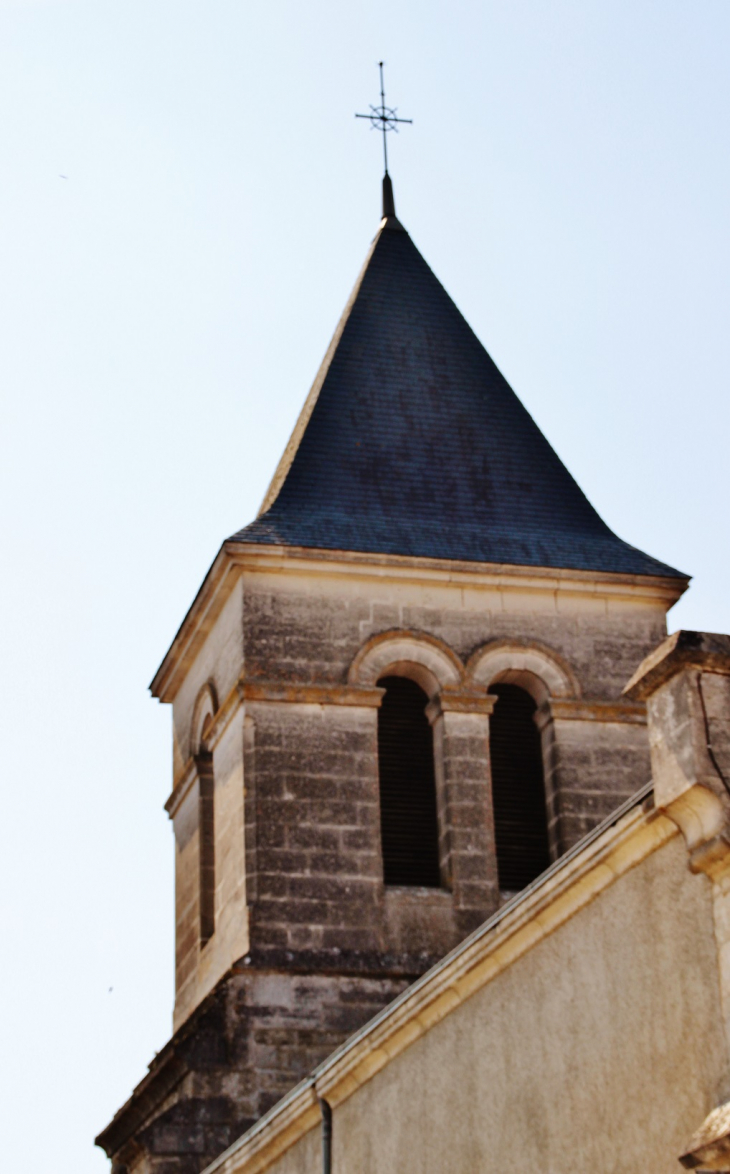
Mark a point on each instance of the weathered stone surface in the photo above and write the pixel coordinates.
(251, 1041)
(315, 638)
(686, 684)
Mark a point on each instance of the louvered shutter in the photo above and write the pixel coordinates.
(408, 820)
(518, 789)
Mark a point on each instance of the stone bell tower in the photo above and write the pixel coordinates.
(396, 698)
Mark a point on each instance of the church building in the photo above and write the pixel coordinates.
(449, 809)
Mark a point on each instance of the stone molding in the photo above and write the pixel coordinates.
(480, 703)
(413, 568)
(437, 668)
(221, 718)
(708, 652)
(206, 706)
(311, 694)
(585, 710)
(404, 652)
(535, 667)
(234, 558)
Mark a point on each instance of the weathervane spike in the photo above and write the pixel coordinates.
(385, 118)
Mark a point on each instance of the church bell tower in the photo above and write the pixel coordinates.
(396, 700)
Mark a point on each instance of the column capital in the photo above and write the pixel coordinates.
(460, 701)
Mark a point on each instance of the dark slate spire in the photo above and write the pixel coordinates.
(411, 442)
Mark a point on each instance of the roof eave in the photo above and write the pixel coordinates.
(667, 587)
(234, 556)
(199, 618)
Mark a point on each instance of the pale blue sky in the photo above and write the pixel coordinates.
(186, 201)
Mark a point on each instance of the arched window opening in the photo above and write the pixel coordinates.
(518, 789)
(408, 819)
(206, 834)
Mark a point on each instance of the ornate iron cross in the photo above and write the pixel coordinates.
(384, 118)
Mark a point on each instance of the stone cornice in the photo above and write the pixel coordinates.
(570, 885)
(342, 562)
(235, 557)
(311, 694)
(190, 637)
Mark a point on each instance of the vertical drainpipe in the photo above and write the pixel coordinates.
(326, 1112)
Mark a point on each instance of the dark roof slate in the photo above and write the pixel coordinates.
(417, 445)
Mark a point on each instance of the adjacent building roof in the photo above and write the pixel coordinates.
(412, 442)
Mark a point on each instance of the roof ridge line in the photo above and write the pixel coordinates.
(287, 457)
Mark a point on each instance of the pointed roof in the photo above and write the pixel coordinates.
(411, 442)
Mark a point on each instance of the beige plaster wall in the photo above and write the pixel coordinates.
(306, 1157)
(599, 1050)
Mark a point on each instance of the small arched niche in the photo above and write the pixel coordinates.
(204, 734)
(206, 708)
(407, 779)
(204, 711)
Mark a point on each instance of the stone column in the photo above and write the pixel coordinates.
(466, 822)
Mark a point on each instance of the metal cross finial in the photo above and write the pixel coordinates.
(384, 118)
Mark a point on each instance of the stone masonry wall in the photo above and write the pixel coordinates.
(590, 769)
(313, 830)
(305, 627)
(247, 1045)
(311, 634)
(298, 632)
